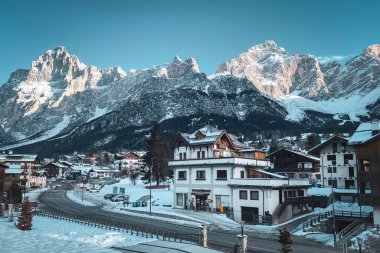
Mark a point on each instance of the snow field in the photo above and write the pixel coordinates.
(50, 235)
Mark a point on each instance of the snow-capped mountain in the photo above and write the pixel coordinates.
(302, 81)
(61, 102)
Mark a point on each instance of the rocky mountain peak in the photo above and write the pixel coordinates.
(267, 46)
(373, 51)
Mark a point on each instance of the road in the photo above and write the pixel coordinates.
(55, 200)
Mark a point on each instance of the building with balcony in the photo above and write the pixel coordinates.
(294, 164)
(213, 170)
(337, 162)
(130, 162)
(366, 141)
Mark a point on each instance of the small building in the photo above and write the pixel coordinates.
(294, 164)
(55, 170)
(103, 172)
(268, 197)
(129, 162)
(366, 141)
(11, 175)
(337, 162)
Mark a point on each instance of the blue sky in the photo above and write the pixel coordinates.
(139, 34)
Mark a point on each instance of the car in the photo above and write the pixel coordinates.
(93, 190)
(117, 198)
(63, 181)
(109, 196)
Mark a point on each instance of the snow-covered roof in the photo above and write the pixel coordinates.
(296, 152)
(363, 134)
(13, 169)
(20, 157)
(326, 142)
(210, 135)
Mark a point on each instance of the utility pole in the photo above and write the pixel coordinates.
(333, 207)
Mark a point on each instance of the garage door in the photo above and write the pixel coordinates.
(249, 214)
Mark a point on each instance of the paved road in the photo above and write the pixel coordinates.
(56, 201)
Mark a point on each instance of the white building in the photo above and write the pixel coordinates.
(338, 163)
(208, 165)
(129, 162)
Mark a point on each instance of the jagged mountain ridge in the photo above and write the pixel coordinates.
(275, 72)
(62, 100)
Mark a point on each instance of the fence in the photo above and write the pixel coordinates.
(316, 220)
(160, 234)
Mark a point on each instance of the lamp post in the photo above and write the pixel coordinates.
(333, 207)
(149, 169)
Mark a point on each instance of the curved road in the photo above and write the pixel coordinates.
(56, 201)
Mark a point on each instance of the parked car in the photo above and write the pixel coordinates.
(117, 198)
(109, 196)
(93, 190)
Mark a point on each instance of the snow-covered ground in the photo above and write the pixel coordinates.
(368, 240)
(33, 194)
(353, 105)
(50, 235)
(163, 200)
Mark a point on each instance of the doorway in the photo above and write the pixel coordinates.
(250, 214)
(201, 202)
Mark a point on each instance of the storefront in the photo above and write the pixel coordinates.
(200, 198)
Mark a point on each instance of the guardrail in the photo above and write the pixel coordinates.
(160, 234)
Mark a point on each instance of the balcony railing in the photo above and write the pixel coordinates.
(270, 182)
(224, 160)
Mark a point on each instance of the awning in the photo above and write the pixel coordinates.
(200, 192)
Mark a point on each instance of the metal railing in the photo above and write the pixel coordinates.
(159, 234)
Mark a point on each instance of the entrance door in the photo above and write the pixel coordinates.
(186, 202)
(249, 214)
(201, 202)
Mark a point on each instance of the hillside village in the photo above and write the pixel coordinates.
(212, 170)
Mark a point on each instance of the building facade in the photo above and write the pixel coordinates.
(213, 170)
(366, 141)
(294, 164)
(337, 162)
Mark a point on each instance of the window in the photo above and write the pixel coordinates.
(201, 175)
(203, 154)
(179, 199)
(332, 182)
(301, 193)
(181, 175)
(331, 169)
(243, 195)
(331, 157)
(334, 147)
(349, 184)
(364, 165)
(184, 156)
(344, 147)
(221, 174)
(198, 154)
(348, 157)
(254, 195)
(242, 174)
(351, 172)
(180, 156)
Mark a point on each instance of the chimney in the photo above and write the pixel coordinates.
(375, 127)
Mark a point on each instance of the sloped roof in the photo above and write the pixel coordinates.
(363, 134)
(295, 152)
(13, 169)
(20, 157)
(271, 174)
(326, 142)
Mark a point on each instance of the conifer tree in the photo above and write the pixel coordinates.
(25, 219)
(157, 155)
(286, 241)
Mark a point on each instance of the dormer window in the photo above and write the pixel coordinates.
(199, 135)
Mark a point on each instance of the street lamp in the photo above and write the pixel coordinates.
(333, 207)
(149, 169)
